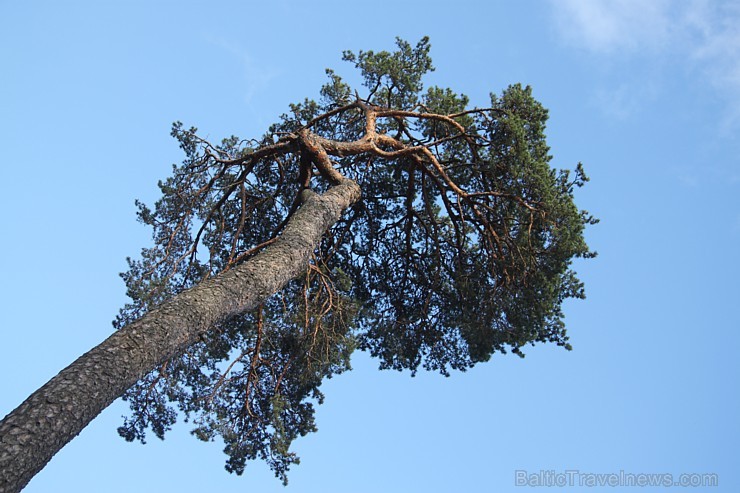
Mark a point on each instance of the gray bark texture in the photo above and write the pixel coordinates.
(57, 412)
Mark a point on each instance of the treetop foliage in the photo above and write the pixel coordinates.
(460, 248)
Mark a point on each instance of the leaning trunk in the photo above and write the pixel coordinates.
(58, 411)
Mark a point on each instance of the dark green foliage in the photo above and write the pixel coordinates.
(460, 248)
(394, 79)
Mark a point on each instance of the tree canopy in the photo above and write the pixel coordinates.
(460, 247)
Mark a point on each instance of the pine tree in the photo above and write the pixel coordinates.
(403, 222)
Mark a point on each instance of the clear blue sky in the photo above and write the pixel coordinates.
(645, 92)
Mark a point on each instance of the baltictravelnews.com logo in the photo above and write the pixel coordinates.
(621, 479)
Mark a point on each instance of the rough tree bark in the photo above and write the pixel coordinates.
(60, 410)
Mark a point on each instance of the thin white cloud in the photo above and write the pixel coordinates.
(256, 76)
(703, 34)
(624, 100)
(608, 26)
(715, 47)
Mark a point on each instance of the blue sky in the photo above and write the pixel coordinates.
(646, 93)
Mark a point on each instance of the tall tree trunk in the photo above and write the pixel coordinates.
(58, 411)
